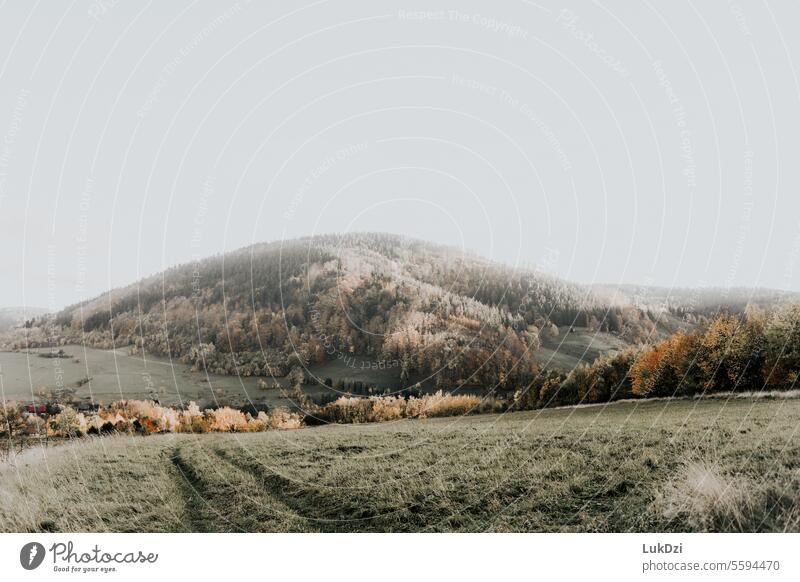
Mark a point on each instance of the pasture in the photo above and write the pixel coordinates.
(581, 345)
(669, 465)
(116, 375)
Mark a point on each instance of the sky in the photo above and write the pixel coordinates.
(650, 143)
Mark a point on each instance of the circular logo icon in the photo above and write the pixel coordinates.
(31, 555)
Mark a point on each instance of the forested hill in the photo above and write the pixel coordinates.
(428, 310)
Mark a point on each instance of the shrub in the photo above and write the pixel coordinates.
(92, 424)
(201, 424)
(258, 423)
(145, 426)
(227, 419)
(35, 425)
(151, 417)
(281, 418)
(187, 417)
(354, 410)
(386, 408)
(440, 404)
(146, 417)
(348, 410)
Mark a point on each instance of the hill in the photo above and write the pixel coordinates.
(415, 311)
(427, 312)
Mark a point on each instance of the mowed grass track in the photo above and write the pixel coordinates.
(613, 468)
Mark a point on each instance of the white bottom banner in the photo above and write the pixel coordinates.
(400, 556)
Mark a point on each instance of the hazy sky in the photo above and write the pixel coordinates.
(638, 142)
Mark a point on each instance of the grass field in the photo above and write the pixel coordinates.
(116, 375)
(570, 348)
(649, 466)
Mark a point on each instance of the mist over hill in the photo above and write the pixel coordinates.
(427, 311)
(11, 317)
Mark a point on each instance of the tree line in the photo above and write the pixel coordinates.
(748, 352)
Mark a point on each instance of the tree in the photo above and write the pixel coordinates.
(297, 376)
(646, 371)
(559, 391)
(404, 371)
(783, 346)
(610, 378)
(12, 423)
(748, 352)
(732, 353)
(667, 368)
(66, 423)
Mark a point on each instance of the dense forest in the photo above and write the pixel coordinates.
(430, 312)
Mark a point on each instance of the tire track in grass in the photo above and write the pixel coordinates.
(297, 499)
(221, 497)
(190, 485)
(283, 506)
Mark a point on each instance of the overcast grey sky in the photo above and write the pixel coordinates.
(646, 143)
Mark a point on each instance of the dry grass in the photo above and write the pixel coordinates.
(768, 394)
(709, 500)
(92, 484)
(746, 395)
(621, 467)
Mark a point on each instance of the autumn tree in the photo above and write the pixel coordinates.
(12, 422)
(731, 354)
(782, 338)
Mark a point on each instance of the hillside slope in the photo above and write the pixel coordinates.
(381, 301)
(426, 313)
(603, 468)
